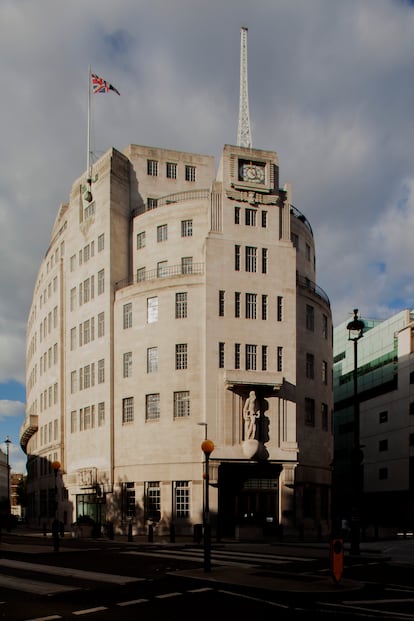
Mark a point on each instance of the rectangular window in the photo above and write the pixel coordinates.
(140, 240)
(152, 359)
(181, 356)
(101, 371)
(251, 259)
(87, 421)
(101, 242)
(127, 364)
(383, 417)
(171, 170)
(141, 274)
(309, 412)
(73, 299)
(129, 490)
(383, 474)
(73, 421)
(251, 305)
(237, 215)
(181, 404)
(86, 332)
(101, 325)
(310, 366)
(73, 339)
(221, 303)
(237, 355)
(152, 203)
(181, 305)
(152, 406)
(162, 269)
(237, 303)
(186, 228)
(153, 501)
(152, 168)
(324, 416)
(308, 252)
(324, 372)
(279, 361)
(383, 445)
(182, 499)
(162, 232)
(73, 382)
(251, 357)
(190, 173)
(250, 217)
(72, 263)
(264, 307)
(221, 355)
(237, 258)
(264, 357)
(101, 414)
(264, 260)
(152, 309)
(86, 376)
(101, 281)
(186, 265)
(279, 308)
(295, 240)
(127, 313)
(310, 318)
(264, 219)
(324, 326)
(86, 290)
(128, 410)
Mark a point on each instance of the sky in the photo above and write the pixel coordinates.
(331, 90)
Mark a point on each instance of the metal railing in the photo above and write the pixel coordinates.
(305, 283)
(170, 271)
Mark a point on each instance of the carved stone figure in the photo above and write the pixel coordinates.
(250, 413)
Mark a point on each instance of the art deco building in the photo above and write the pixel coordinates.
(177, 302)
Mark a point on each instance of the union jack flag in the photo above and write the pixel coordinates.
(100, 85)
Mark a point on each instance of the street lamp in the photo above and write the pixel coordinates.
(55, 525)
(8, 442)
(207, 446)
(355, 332)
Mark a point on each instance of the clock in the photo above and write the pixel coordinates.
(252, 172)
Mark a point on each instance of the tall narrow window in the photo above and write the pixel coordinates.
(237, 355)
(101, 242)
(251, 305)
(180, 305)
(140, 240)
(171, 170)
(237, 302)
(264, 306)
(181, 404)
(264, 219)
(101, 325)
(186, 228)
(310, 366)
(279, 359)
(152, 168)
(152, 309)
(324, 416)
(127, 365)
(186, 265)
(181, 356)
(250, 217)
(324, 372)
(221, 355)
(251, 259)
(237, 258)
(251, 357)
(182, 499)
(309, 411)
(162, 269)
(127, 314)
(190, 173)
(152, 359)
(310, 317)
(221, 303)
(152, 406)
(264, 260)
(264, 357)
(101, 414)
(279, 308)
(101, 371)
(324, 326)
(153, 501)
(162, 232)
(128, 410)
(129, 491)
(237, 215)
(101, 281)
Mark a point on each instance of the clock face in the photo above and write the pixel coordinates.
(253, 172)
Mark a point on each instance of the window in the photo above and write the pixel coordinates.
(127, 364)
(310, 317)
(129, 490)
(162, 269)
(308, 252)
(171, 170)
(72, 339)
(141, 274)
(72, 262)
(152, 168)
(325, 326)
(383, 445)
(411, 439)
(127, 310)
(152, 359)
(251, 305)
(101, 281)
(101, 371)
(237, 215)
(186, 265)
(310, 363)
(186, 228)
(152, 309)
(279, 361)
(237, 355)
(264, 219)
(383, 417)
(324, 416)
(153, 501)
(412, 407)
(221, 303)
(295, 241)
(101, 325)
(279, 308)
(324, 372)
(190, 173)
(251, 259)
(383, 474)
(128, 410)
(221, 355)
(264, 306)
(73, 382)
(152, 406)
(237, 258)
(152, 203)
(251, 357)
(264, 357)
(140, 240)
(181, 404)
(181, 305)
(182, 499)
(73, 299)
(101, 414)
(87, 418)
(250, 217)
(237, 302)
(86, 291)
(86, 377)
(412, 377)
(101, 242)
(181, 356)
(73, 421)
(162, 232)
(309, 412)
(86, 253)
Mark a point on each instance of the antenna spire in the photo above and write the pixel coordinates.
(244, 137)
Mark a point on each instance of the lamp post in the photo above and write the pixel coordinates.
(8, 442)
(355, 332)
(207, 446)
(55, 525)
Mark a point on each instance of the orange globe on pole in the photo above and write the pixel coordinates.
(207, 447)
(55, 465)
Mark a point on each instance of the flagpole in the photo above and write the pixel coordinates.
(88, 154)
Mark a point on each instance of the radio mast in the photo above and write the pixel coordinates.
(244, 138)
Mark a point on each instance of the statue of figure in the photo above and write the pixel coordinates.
(250, 413)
